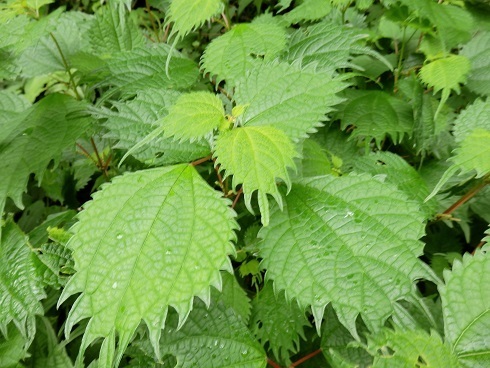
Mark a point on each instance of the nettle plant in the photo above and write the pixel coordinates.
(276, 183)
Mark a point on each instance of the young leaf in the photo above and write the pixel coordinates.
(233, 54)
(256, 156)
(410, 349)
(194, 115)
(376, 114)
(329, 46)
(135, 119)
(465, 290)
(52, 125)
(445, 74)
(178, 239)
(232, 296)
(476, 115)
(187, 15)
(20, 289)
(351, 241)
(277, 322)
(478, 52)
(214, 337)
(289, 98)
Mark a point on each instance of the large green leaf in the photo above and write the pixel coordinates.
(13, 109)
(256, 156)
(375, 115)
(277, 322)
(476, 115)
(328, 46)
(52, 125)
(478, 52)
(135, 119)
(193, 116)
(410, 349)
(233, 54)
(212, 338)
(188, 15)
(287, 97)
(350, 241)
(20, 288)
(466, 309)
(177, 239)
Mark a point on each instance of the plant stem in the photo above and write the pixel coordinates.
(305, 358)
(85, 153)
(466, 197)
(227, 23)
(67, 67)
(152, 20)
(400, 61)
(238, 194)
(480, 244)
(201, 160)
(273, 364)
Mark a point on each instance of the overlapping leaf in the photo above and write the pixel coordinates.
(233, 54)
(137, 118)
(350, 241)
(13, 109)
(193, 116)
(152, 239)
(256, 156)
(214, 337)
(233, 296)
(278, 322)
(20, 289)
(287, 97)
(309, 10)
(478, 52)
(466, 309)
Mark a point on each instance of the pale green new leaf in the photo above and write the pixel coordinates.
(410, 348)
(309, 10)
(351, 241)
(445, 74)
(287, 97)
(145, 68)
(232, 296)
(329, 46)
(135, 119)
(193, 116)
(231, 55)
(256, 156)
(52, 125)
(113, 31)
(478, 52)
(20, 288)
(177, 239)
(212, 338)
(375, 115)
(466, 309)
(187, 15)
(278, 322)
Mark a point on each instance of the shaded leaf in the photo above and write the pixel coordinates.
(233, 296)
(478, 52)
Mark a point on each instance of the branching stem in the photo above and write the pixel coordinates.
(466, 197)
(305, 358)
(273, 364)
(201, 160)
(67, 67)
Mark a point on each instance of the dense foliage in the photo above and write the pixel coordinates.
(249, 183)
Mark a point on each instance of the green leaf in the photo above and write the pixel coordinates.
(13, 109)
(145, 68)
(478, 52)
(445, 74)
(214, 337)
(375, 115)
(135, 119)
(12, 348)
(314, 160)
(409, 348)
(329, 46)
(233, 296)
(309, 10)
(475, 116)
(277, 322)
(52, 125)
(256, 156)
(20, 289)
(287, 97)
(350, 241)
(466, 306)
(194, 115)
(187, 15)
(112, 31)
(233, 54)
(172, 250)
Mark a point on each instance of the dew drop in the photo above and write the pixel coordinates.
(119, 236)
(244, 352)
(349, 214)
(168, 251)
(114, 285)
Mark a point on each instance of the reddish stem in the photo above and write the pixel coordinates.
(85, 153)
(465, 198)
(201, 160)
(273, 364)
(305, 358)
(478, 247)
(238, 194)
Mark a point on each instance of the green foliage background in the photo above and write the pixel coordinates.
(250, 183)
